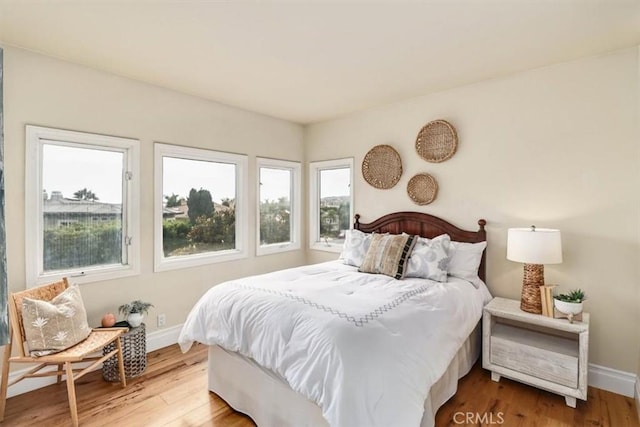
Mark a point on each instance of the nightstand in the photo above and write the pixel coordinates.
(551, 354)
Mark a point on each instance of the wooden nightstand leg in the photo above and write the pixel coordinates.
(571, 401)
(496, 377)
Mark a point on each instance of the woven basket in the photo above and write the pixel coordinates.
(437, 141)
(422, 189)
(382, 167)
(134, 355)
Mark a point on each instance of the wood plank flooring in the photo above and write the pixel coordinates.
(173, 392)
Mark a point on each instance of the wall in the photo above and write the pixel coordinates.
(637, 388)
(47, 92)
(555, 147)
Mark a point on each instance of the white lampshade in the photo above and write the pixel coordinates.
(534, 245)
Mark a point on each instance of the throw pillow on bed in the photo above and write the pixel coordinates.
(356, 244)
(430, 258)
(388, 254)
(53, 326)
(465, 260)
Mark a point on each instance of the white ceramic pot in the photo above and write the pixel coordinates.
(134, 319)
(572, 308)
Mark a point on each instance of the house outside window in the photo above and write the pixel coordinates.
(81, 200)
(331, 203)
(200, 206)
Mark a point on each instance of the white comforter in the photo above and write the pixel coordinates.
(366, 348)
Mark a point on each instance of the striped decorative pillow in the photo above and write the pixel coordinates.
(388, 254)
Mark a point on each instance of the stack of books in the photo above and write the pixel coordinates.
(546, 297)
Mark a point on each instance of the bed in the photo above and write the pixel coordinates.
(328, 345)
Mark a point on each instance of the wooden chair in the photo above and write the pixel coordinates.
(84, 351)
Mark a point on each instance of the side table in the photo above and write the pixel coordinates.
(551, 354)
(134, 355)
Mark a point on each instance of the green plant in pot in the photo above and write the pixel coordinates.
(135, 311)
(570, 303)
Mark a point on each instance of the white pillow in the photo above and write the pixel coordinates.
(430, 258)
(355, 247)
(465, 260)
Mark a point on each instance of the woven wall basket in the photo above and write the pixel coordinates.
(422, 189)
(437, 141)
(382, 167)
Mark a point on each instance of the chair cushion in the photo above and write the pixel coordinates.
(53, 326)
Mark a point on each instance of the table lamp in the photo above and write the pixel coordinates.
(534, 247)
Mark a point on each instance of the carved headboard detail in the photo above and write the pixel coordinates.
(425, 225)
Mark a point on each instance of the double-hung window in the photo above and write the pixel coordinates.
(200, 206)
(278, 206)
(82, 208)
(331, 203)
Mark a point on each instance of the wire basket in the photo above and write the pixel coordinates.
(134, 355)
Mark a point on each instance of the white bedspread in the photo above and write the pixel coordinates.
(366, 348)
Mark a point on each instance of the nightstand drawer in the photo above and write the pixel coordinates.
(539, 355)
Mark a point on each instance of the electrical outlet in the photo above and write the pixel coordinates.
(162, 319)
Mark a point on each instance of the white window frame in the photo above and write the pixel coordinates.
(188, 153)
(37, 137)
(295, 196)
(314, 201)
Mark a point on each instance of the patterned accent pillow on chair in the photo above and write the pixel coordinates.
(430, 258)
(53, 326)
(388, 254)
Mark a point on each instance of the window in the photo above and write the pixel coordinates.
(81, 206)
(279, 206)
(331, 203)
(200, 206)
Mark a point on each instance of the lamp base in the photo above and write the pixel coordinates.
(533, 279)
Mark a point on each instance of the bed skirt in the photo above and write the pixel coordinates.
(270, 402)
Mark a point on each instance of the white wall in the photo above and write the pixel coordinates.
(44, 91)
(555, 147)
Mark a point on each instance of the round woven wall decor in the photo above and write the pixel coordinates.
(422, 189)
(382, 167)
(437, 141)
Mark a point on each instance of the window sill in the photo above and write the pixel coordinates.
(277, 248)
(188, 261)
(79, 277)
(326, 247)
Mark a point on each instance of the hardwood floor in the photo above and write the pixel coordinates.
(173, 392)
(516, 404)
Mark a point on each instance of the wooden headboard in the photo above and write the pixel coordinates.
(425, 225)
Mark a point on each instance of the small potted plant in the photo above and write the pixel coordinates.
(134, 311)
(570, 303)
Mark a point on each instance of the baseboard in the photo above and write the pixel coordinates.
(638, 395)
(155, 340)
(612, 380)
(163, 338)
